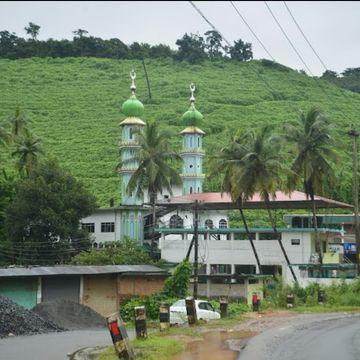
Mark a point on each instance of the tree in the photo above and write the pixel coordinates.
(330, 75)
(18, 122)
(191, 49)
(125, 252)
(260, 171)
(32, 30)
(351, 72)
(80, 33)
(213, 44)
(155, 171)
(310, 135)
(241, 51)
(42, 220)
(227, 163)
(176, 286)
(28, 148)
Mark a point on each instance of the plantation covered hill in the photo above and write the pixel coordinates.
(74, 105)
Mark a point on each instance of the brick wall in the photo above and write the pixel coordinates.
(139, 285)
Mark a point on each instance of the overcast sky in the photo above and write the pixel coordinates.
(333, 27)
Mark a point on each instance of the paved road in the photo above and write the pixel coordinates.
(318, 337)
(52, 346)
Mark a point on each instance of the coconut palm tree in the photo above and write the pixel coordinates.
(260, 171)
(18, 122)
(155, 170)
(310, 134)
(28, 147)
(226, 163)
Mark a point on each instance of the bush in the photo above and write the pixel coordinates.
(151, 303)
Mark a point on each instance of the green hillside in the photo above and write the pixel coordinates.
(74, 104)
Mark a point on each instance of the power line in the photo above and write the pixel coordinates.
(208, 22)
(251, 30)
(269, 87)
(287, 38)
(305, 37)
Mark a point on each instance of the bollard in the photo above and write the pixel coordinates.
(224, 307)
(255, 302)
(191, 310)
(140, 322)
(119, 337)
(164, 315)
(290, 301)
(321, 297)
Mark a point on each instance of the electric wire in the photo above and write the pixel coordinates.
(304, 36)
(272, 91)
(251, 30)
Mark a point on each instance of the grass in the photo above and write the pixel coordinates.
(164, 345)
(155, 347)
(74, 104)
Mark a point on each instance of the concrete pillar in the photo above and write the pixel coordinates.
(81, 292)
(39, 291)
(208, 281)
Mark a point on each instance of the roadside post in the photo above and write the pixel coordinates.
(224, 307)
(140, 322)
(321, 297)
(255, 302)
(164, 316)
(290, 301)
(191, 310)
(120, 337)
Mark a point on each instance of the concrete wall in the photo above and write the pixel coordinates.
(99, 292)
(139, 285)
(239, 252)
(215, 290)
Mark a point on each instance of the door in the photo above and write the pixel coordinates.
(60, 288)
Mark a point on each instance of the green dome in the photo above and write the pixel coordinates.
(132, 107)
(192, 117)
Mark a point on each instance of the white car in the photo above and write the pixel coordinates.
(204, 311)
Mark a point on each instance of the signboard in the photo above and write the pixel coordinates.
(350, 248)
(336, 248)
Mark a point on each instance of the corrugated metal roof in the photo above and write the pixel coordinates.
(218, 200)
(81, 270)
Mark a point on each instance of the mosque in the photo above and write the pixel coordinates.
(225, 259)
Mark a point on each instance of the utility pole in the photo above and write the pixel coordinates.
(196, 245)
(355, 134)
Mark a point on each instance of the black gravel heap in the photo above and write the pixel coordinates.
(16, 320)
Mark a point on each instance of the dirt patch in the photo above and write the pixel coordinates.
(16, 320)
(216, 345)
(70, 315)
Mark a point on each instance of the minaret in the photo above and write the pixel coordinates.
(192, 152)
(132, 211)
(132, 109)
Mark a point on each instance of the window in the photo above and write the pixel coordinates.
(176, 222)
(107, 227)
(131, 133)
(220, 269)
(222, 224)
(295, 241)
(198, 142)
(191, 189)
(269, 236)
(296, 222)
(245, 269)
(209, 224)
(89, 227)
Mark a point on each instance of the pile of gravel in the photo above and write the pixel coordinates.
(70, 315)
(16, 320)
